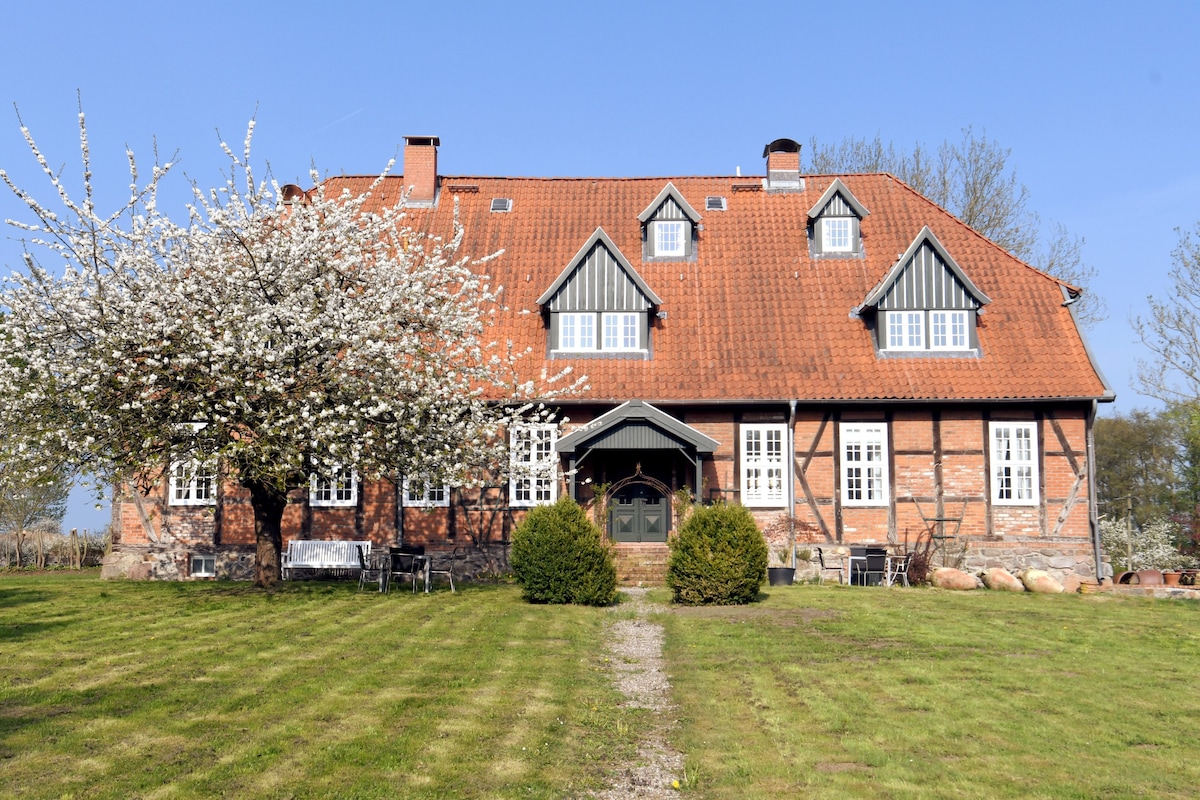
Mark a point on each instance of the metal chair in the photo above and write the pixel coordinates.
(444, 565)
(897, 567)
(405, 565)
(369, 571)
(839, 567)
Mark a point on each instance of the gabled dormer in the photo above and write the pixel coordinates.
(669, 226)
(926, 304)
(599, 306)
(834, 223)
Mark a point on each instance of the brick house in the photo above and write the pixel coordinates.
(835, 352)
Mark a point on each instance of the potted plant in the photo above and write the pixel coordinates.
(783, 575)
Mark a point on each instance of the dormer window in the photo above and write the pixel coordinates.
(834, 222)
(577, 331)
(669, 238)
(926, 303)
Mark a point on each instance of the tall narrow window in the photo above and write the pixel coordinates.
(338, 490)
(669, 238)
(1014, 463)
(533, 464)
(864, 464)
(193, 483)
(763, 465)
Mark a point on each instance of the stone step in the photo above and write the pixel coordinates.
(641, 564)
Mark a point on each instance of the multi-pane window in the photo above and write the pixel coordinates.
(339, 489)
(906, 330)
(423, 494)
(864, 463)
(577, 331)
(202, 566)
(1014, 463)
(837, 235)
(533, 464)
(948, 330)
(193, 483)
(763, 464)
(669, 238)
(621, 331)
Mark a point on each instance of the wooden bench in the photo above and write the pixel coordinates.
(322, 554)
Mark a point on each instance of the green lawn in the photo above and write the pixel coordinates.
(140, 690)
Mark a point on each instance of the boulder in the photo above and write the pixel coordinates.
(1040, 582)
(1001, 580)
(950, 578)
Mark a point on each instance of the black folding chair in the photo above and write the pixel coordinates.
(368, 571)
(444, 565)
(404, 565)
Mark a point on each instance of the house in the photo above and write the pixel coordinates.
(835, 352)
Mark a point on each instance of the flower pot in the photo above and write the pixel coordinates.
(781, 576)
(1171, 578)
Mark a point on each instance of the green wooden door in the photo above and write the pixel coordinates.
(639, 514)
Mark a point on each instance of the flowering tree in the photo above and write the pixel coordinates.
(271, 340)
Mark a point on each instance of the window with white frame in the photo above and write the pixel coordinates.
(1014, 463)
(906, 330)
(669, 238)
(533, 464)
(621, 331)
(340, 489)
(864, 463)
(423, 494)
(948, 330)
(764, 468)
(577, 331)
(202, 566)
(193, 483)
(837, 235)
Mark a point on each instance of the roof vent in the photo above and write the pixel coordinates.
(714, 203)
(501, 204)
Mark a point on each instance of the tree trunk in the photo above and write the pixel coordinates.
(268, 503)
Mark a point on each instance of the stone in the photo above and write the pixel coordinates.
(955, 579)
(1040, 582)
(1062, 562)
(1001, 580)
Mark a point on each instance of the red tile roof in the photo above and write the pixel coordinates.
(754, 317)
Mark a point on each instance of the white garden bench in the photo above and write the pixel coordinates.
(322, 554)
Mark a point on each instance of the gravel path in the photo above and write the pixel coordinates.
(639, 673)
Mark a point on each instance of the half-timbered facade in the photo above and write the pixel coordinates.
(835, 352)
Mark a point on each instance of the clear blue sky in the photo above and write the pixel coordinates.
(1098, 101)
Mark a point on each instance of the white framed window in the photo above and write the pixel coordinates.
(337, 491)
(533, 464)
(417, 493)
(669, 238)
(1014, 463)
(577, 331)
(906, 330)
(864, 463)
(948, 330)
(192, 483)
(837, 235)
(621, 331)
(202, 566)
(764, 468)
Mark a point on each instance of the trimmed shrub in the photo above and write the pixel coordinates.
(719, 557)
(560, 556)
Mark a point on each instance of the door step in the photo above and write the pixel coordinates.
(641, 564)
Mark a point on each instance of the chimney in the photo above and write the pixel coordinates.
(420, 169)
(783, 166)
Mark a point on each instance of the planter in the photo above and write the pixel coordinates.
(1171, 578)
(781, 576)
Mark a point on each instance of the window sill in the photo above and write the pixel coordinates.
(971, 352)
(629, 355)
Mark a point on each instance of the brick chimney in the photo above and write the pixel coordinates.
(420, 169)
(783, 166)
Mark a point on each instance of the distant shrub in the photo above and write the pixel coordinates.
(719, 557)
(560, 556)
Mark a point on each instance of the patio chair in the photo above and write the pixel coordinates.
(404, 565)
(370, 571)
(444, 565)
(831, 564)
(897, 567)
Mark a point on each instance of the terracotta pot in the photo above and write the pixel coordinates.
(1171, 578)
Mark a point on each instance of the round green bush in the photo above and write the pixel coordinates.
(560, 556)
(719, 557)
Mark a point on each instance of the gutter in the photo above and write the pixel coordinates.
(791, 490)
(1093, 518)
